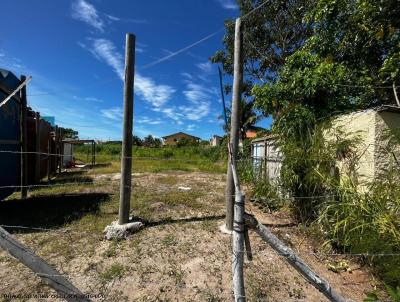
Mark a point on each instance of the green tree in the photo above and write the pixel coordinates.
(148, 141)
(271, 34)
(136, 141)
(157, 143)
(350, 62)
(248, 118)
(70, 133)
(183, 142)
(152, 142)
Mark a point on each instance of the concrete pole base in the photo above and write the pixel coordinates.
(118, 231)
(224, 230)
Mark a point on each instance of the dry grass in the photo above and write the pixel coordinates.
(179, 255)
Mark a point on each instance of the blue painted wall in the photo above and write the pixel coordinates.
(10, 131)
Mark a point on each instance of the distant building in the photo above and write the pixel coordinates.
(216, 140)
(173, 139)
(251, 134)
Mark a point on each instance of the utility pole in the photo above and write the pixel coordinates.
(126, 159)
(234, 131)
(24, 145)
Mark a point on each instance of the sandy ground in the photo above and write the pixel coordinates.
(181, 255)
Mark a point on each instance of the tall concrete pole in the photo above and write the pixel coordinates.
(234, 131)
(126, 158)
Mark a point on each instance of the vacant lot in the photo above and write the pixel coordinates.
(180, 254)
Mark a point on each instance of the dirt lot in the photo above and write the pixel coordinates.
(180, 255)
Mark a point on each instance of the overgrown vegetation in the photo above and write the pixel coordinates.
(355, 215)
(316, 60)
(149, 159)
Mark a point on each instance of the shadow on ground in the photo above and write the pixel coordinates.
(167, 221)
(49, 211)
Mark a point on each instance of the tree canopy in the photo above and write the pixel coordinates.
(349, 62)
(70, 133)
(314, 59)
(270, 34)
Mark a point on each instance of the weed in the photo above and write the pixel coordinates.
(116, 270)
(169, 240)
(208, 226)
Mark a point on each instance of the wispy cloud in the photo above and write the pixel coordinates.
(199, 99)
(228, 4)
(114, 113)
(155, 94)
(191, 127)
(205, 67)
(86, 12)
(149, 121)
(105, 50)
(131, 20)
(87, 99)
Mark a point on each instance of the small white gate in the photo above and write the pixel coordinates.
(266, 158)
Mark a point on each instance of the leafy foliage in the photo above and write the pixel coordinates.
(353, 52)
(153, 142)
(136, 141)
(70, 133)
(182, 142)
(271, 34)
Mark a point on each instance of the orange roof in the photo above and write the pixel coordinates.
(251, 134)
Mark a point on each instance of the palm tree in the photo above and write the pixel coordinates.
(248, 118)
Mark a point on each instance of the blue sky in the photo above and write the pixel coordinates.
(74, 51)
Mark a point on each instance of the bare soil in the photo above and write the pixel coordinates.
(180, 255)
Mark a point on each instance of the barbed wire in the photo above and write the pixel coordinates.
(138, 157)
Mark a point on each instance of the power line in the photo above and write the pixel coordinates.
(181, 50)
(199, 41)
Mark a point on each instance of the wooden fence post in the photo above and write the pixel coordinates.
(38, 151)
(48, 158)
(234, 131)
(322, 285)
(48, 274)
(126, 156)
(24, 143)
(61, 150)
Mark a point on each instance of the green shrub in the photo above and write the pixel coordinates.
(267, 195)
(367, 223)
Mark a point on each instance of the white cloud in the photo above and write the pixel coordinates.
(88, 99)
(187, 75)
(105, 50)
(149, 121)
(228, 4)
(115, 113)
(205, 67)
(155, 94)
(199, 98)
(191, 127)
(131, 20)
(86, 12)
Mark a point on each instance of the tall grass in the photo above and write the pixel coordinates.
(145, 159)
(367, 222)
(352, 216)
